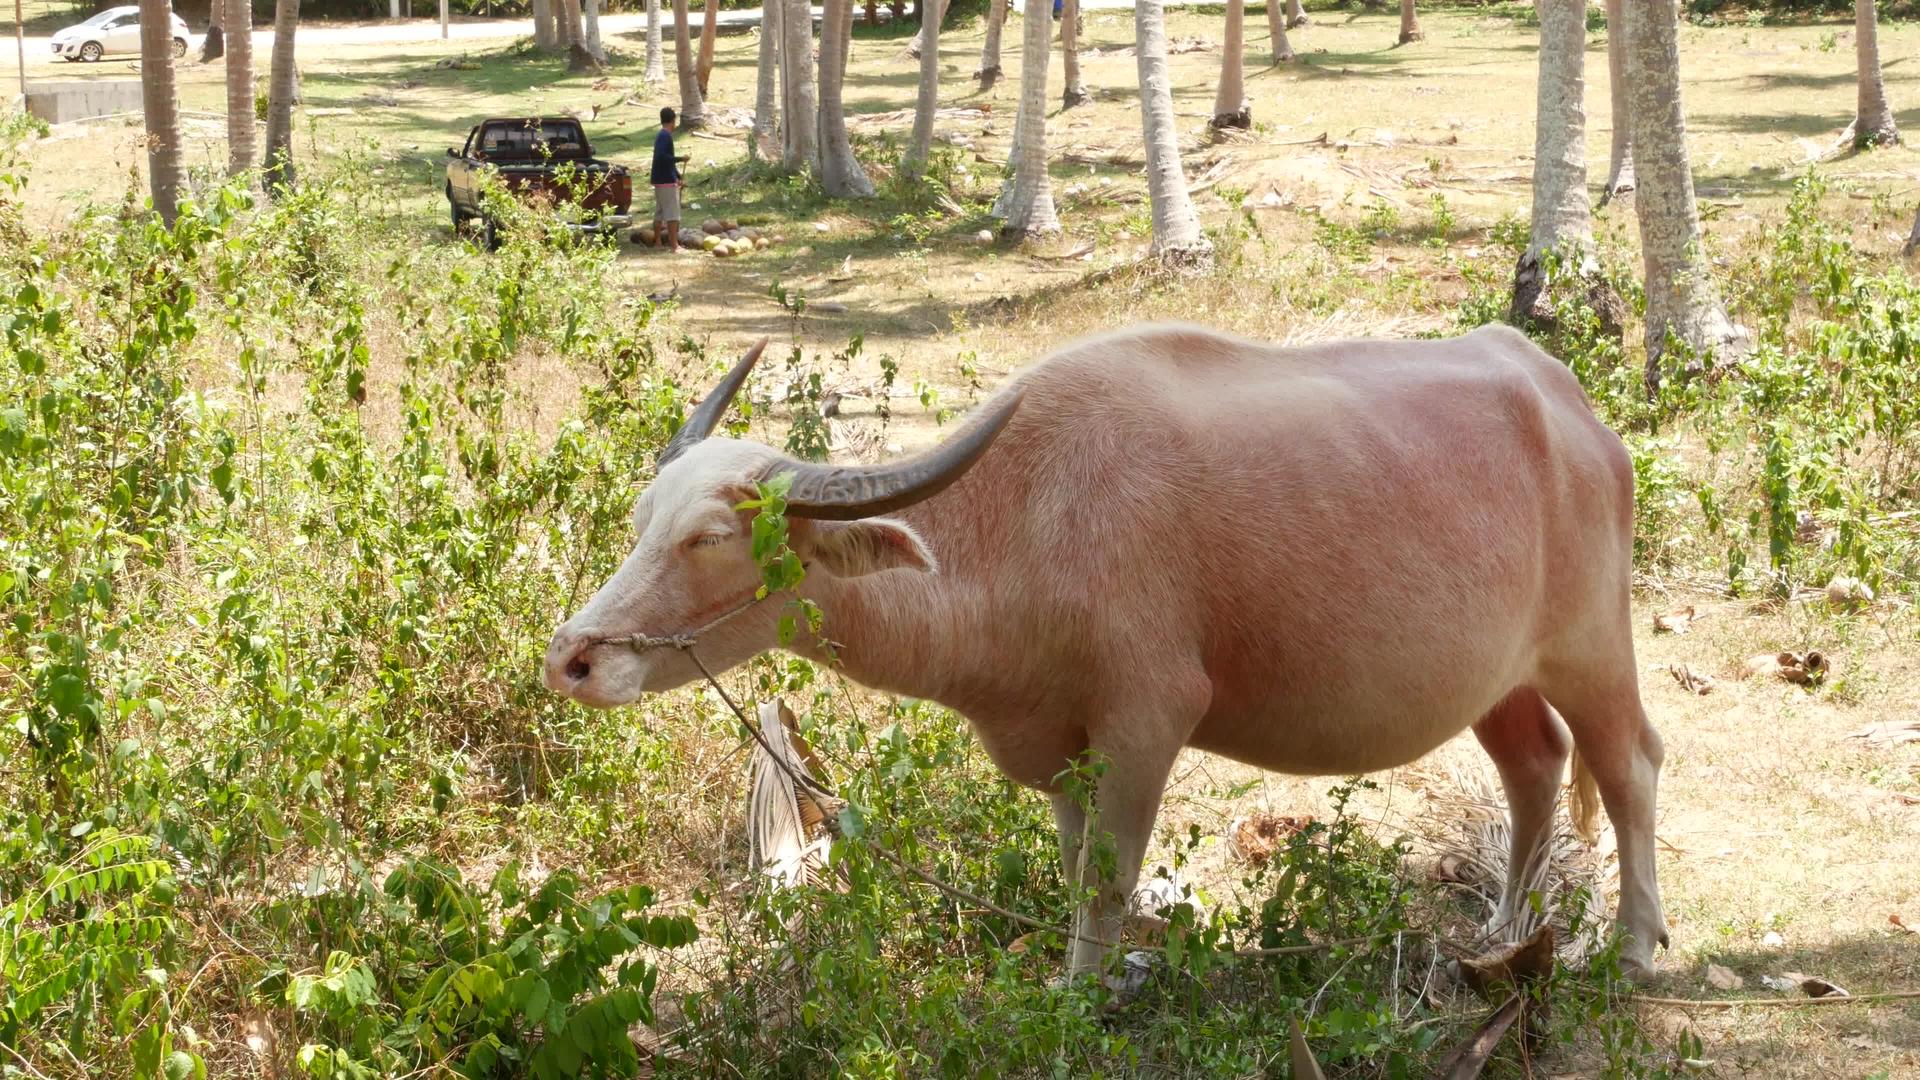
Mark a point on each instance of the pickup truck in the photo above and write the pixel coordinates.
(534, 157)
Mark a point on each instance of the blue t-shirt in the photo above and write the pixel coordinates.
(664, 170)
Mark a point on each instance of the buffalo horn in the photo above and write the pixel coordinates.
(706, 416)
(847, 492)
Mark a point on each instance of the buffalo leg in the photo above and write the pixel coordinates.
(1529, 746)
(1126, 801)
(1622, 751)
(1070, 817)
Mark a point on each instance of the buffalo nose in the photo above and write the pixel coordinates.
(567, 664)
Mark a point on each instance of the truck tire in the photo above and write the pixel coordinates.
(489, 234)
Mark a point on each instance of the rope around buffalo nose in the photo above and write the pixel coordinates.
(831, 805)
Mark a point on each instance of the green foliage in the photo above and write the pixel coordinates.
(548, 990)
(1792, 466)
(277, 566)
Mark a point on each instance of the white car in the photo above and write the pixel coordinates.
(113, 32)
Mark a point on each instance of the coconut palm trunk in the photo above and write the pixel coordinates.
(841, 176)
(764, 143)
(989, 72)
(1683, 303)
(1076, 88)
(656, 65)
(1230, 106)
(708, 29)
(1409, 23)
(1560, 242)
(545, 35)
(1177, 238)
(1296, 15)
(1029, 210)
(1873, 124)
(927, 105)
(693, 105)
(801, 128)
(239, 57)
(1277, 31)
(566, 15)
(161, 108)
(283, 84)
(591, 11)
(214, 44)
(919, 39)
(1620, 154)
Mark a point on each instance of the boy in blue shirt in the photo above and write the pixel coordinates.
(666, 184)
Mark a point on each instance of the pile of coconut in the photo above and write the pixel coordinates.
(721, 236)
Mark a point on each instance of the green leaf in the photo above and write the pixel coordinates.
(184, 1066)
(534, 1008)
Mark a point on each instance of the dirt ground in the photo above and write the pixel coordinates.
(1786, 843)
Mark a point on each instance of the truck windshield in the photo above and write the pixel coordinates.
(533, 139)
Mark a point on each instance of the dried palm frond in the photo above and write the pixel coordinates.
(1465, 825)
(786, 835)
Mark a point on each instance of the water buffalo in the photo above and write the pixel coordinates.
(1321, 560)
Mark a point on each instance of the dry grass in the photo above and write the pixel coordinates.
(1772, 821)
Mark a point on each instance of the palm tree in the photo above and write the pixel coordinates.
(544, 34)
(914, 163)
(591, 11)
(240, 116)
(282, 84)
(566, 24)
(693, 105)
(1277, 30)
(764, 143)
(707, 32)
(1029, 210)
(1296, 14)
(1230, 106)
(1873, 124)
(841, 176)
(1409, 23)
(989, 72)
(1176, 227)
(656, 67)
(1076, 89)
(1561, 237)
(160, 106)
(1620, 156)
(214, 45)
(1683, 303)
(801, 145)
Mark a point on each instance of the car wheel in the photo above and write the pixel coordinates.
(489, 234)
(179, 48)
(90, 51)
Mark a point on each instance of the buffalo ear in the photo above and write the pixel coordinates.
(865, 546)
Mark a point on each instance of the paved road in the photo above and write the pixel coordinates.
(426, 30)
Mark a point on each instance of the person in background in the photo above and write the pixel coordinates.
(666, 184)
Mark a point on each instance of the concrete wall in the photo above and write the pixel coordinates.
(58, 102)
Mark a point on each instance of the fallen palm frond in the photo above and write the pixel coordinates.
(1466, 828)
(786, 828)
